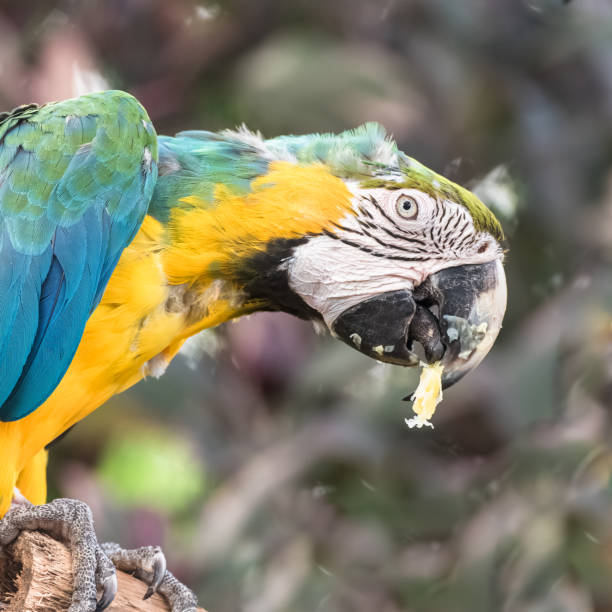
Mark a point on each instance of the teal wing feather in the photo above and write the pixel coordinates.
(194, 163)
(76, 178)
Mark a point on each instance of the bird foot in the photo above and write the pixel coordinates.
(149, 565)
(70, 520)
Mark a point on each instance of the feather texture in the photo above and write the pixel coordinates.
(76, 178)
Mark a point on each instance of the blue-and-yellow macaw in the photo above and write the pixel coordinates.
(116, 245)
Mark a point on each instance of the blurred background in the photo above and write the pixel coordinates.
(274, 466)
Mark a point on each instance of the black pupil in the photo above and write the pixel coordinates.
(407, 205)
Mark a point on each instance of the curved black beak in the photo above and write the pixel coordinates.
(455, 315)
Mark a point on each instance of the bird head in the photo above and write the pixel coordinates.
(413, 263)
(348, 231)
(417, 260)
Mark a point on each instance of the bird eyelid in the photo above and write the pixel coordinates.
(407, 206)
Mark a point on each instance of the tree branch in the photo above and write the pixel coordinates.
(36, 576)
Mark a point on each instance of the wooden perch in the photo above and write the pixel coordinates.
(36, 576)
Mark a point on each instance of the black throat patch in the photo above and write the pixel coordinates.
(264, 278)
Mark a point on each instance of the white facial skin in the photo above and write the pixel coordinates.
(394, 240)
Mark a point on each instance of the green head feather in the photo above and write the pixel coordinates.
(414, 175)
(351, 154)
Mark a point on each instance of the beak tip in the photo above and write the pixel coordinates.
(474, 325)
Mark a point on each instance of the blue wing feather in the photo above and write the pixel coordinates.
(75, 183)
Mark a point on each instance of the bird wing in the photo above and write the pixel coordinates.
(76, 178)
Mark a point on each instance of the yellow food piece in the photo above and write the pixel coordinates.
(427, 395)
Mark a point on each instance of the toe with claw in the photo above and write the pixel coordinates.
(149, 564)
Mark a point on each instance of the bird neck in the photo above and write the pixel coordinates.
(236, 243)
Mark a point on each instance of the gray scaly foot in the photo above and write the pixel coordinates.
(68, 520)
(149, 564)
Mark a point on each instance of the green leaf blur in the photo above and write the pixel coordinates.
(151, 469)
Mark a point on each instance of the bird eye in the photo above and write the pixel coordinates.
(407, 207)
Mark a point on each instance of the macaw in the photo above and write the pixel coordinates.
(116, 245)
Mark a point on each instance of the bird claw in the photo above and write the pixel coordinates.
(106, 578)
(109, 590)
(159, 571)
